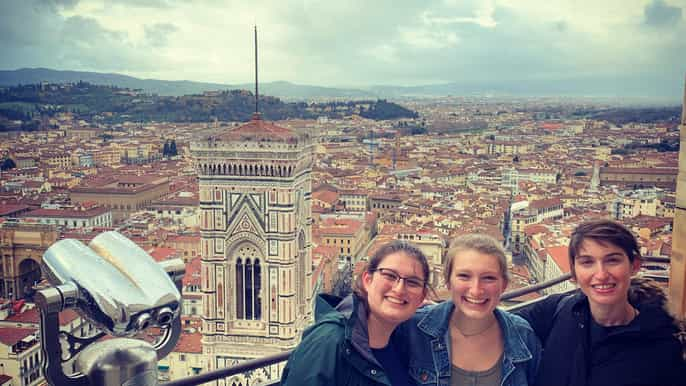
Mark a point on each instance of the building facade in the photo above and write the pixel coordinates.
(636, 178)
(255, 244)
(123, 195)
(21, 248)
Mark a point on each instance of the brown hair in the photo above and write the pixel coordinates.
(481, 243)
(387, 249)
(603, 232)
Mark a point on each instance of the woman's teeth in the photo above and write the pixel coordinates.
(475, 301)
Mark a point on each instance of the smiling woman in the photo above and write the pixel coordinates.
(611, 331)
(469, 341)
(350, 342)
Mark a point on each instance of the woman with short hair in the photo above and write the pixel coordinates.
(608, 332)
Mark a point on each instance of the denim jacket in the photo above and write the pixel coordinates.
(428, 338)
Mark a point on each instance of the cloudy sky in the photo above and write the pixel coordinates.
(355, 43)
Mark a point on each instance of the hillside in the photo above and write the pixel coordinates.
(108, 104)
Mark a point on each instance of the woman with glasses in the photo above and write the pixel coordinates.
(350, 342)
(467, 340)
(613, 330)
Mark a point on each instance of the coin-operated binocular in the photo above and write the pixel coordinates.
(118, 287)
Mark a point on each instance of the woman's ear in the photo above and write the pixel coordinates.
(635, 266)
(366, 280)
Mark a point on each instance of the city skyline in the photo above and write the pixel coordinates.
(589, 48)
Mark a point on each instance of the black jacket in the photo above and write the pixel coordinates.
(645, 352)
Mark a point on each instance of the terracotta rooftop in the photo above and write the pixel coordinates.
(340, 227)
(163, 253)
(661, 171)
(258, 130)
(11, 335)
(546, 203)
(326, 196)
(192, 275)
(183, 239)
(67, 213)
(189, 343)
(560, 255)
(8, 209)
(32, 316)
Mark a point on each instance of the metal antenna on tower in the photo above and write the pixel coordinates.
(257, 96)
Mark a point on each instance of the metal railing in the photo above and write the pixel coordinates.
(277, 358)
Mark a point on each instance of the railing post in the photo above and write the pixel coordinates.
(677, 271)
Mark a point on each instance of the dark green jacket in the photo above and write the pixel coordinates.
(335, 350)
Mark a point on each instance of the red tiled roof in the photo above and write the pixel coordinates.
(12, 335)
(184, 239)
(325, 196)
(192, 275)
(662, 171)
(189, 343)
(32, 316)
(323, 250)
(67, 213)
(6, 209)
(341, 227)
(162, 253)
(256, 130)
(547, 203)
(560, 255)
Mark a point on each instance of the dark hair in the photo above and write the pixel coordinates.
(603, 232)
(387, 249)
(481, 243)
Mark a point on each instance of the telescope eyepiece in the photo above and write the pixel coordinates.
(143, 321)
(164, 316)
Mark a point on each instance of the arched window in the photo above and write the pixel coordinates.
(257, 272)
(248, 289)
(240, 306)
(300, 274)
(248, 284)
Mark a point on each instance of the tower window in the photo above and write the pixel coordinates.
(248, 285)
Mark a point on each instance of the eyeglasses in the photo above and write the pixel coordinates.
(411, 282)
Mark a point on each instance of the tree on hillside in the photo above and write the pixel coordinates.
(172, 148)
(7, 164)
(165, 149)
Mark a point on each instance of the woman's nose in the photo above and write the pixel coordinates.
(475, 287)
(601, 272)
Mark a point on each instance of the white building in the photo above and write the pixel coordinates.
(77, 217)
(633, 203)
(510, 177)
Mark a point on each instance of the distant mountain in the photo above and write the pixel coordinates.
(624, 90)
(284, 90)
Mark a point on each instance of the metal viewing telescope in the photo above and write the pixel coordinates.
(118, 287)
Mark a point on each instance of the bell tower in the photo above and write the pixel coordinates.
(255, 228)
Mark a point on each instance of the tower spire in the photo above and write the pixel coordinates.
(257, 96)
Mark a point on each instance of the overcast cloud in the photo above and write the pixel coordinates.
(355, 43)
